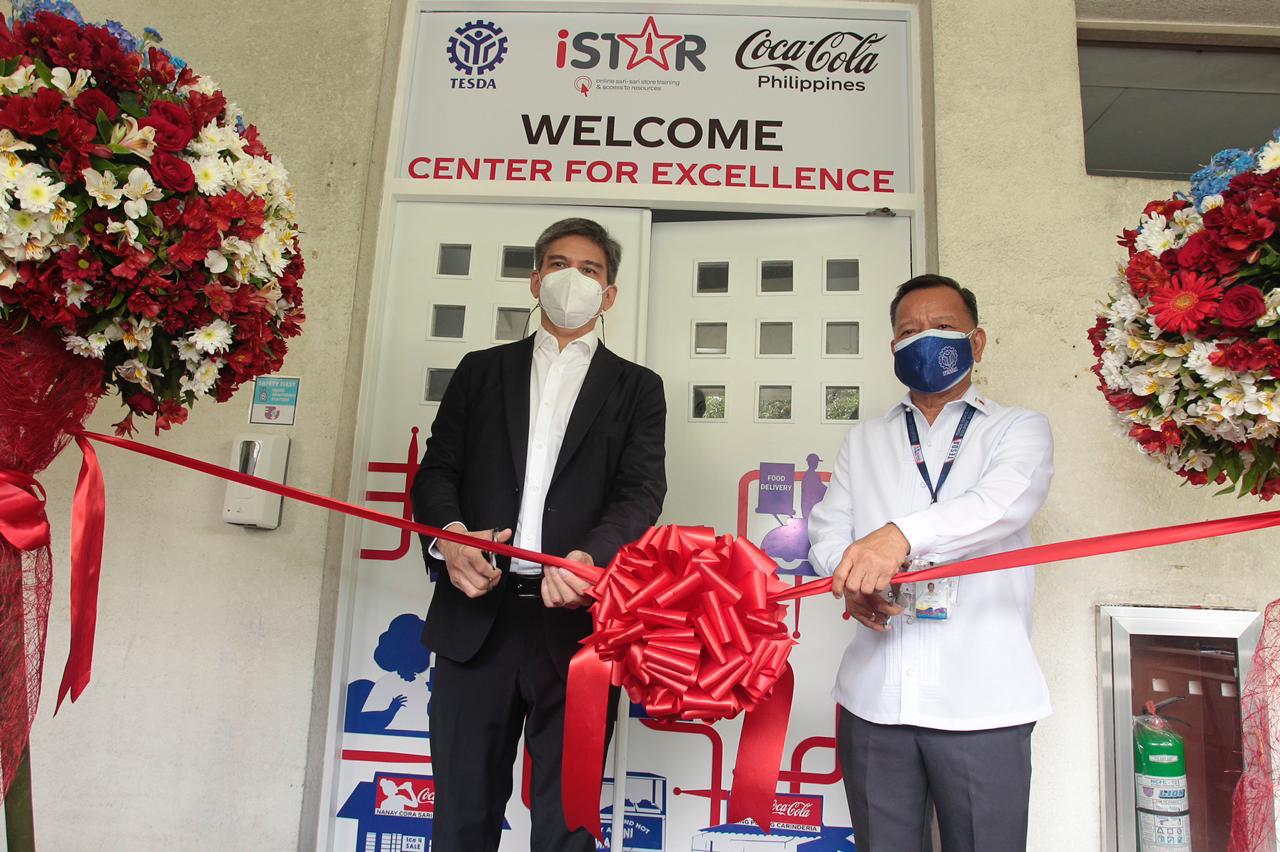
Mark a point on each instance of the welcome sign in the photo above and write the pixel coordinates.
(695, 101)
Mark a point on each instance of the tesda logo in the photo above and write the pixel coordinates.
(629, 51)
(475, 49)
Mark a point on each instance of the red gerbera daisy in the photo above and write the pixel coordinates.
(1184, 302)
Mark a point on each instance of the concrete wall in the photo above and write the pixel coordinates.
(212, 641)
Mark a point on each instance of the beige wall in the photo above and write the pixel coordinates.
(194, 732)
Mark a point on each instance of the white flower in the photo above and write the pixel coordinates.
(1264, 430)
(1272, 314)
(10, 143)
(1264, 403)
(1269, 157)
(203, 377)
(1198, 360)
(1188, 220)
(1197, 459)
(63, 212)
(1155, 238)
(212, 338)
(26, 223)
(35, 191)
(1124, 310)
(215, 262)
(76, 292)
(1234, 397)
(135, 333)
(103, 187)
(19, 79)
(135, 371)
(92, 347)
(127, 227)
(187, 351)
(212, 174)
(140, 189)
(70, 88)
(203, 85)
(1209, 202)
(139, 140)
(8, 276)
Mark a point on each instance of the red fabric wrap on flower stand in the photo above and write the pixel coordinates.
(46, 393)
(685, 624)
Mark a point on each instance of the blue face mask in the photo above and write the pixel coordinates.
(934, 360)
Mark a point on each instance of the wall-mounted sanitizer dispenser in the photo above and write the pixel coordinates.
(265, 456)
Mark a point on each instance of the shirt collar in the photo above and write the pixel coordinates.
(587, 343)
(971, 396)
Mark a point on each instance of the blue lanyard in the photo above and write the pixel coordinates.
(918, 454)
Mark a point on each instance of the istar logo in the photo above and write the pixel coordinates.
(630, 51)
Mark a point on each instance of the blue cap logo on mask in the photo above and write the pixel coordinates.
(934, 360)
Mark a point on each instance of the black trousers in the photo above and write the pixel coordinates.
(478, 710)
(979, 781)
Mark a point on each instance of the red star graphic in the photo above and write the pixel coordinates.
(649, 45)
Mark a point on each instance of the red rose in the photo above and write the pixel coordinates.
(172, 113)
(92, 101)
(1241, 306)
(172, 173)
(169, 210)
(141, 403)
(169, 137)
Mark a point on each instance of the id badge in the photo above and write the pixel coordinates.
(935, 600)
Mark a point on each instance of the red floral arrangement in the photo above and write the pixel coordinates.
(141, 221)
(1188, 345)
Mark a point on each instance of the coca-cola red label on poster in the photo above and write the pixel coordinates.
(404, 795)
(798, 813)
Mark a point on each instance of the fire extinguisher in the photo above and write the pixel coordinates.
(1160, 781)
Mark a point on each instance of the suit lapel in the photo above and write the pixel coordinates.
(596, 385)
(517, 363)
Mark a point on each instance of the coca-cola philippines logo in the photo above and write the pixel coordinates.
(798, 813)
(404, 795)
(838, 52)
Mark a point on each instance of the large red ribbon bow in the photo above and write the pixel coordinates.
(684, 623)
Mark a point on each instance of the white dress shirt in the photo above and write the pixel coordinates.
(976, 670)
(554, 383)
(555, 379)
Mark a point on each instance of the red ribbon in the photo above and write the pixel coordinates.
(23, 522)
(1064, 550)
(88, 522)
(684, 623)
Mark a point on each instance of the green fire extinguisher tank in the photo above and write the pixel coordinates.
(1160, 782)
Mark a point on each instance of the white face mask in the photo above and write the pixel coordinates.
(570, 299)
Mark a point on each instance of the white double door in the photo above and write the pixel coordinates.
(771, 336)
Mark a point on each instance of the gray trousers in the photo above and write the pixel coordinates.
(979, 781)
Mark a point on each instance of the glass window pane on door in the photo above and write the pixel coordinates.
(841, 402)
(455, 259)
(437, 381)
(517, 261)
(713, 277)
(774, 402)
(708, 402)
(448, 320)
(710, 338)
(842, 276)
(775, 338)
(842, 338)
(510, 323)
(776, 276)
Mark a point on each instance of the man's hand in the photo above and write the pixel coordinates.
(562, 588)
(870, 562)
(871, 610)
(468, 567)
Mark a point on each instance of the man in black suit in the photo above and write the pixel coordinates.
(560, 440)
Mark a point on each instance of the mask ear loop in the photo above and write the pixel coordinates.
(528, 316)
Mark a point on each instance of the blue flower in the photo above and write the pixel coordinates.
(1214, 178)
(127, 40)
(25, 10)
(152, 34)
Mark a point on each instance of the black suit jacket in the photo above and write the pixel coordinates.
(606, 490)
